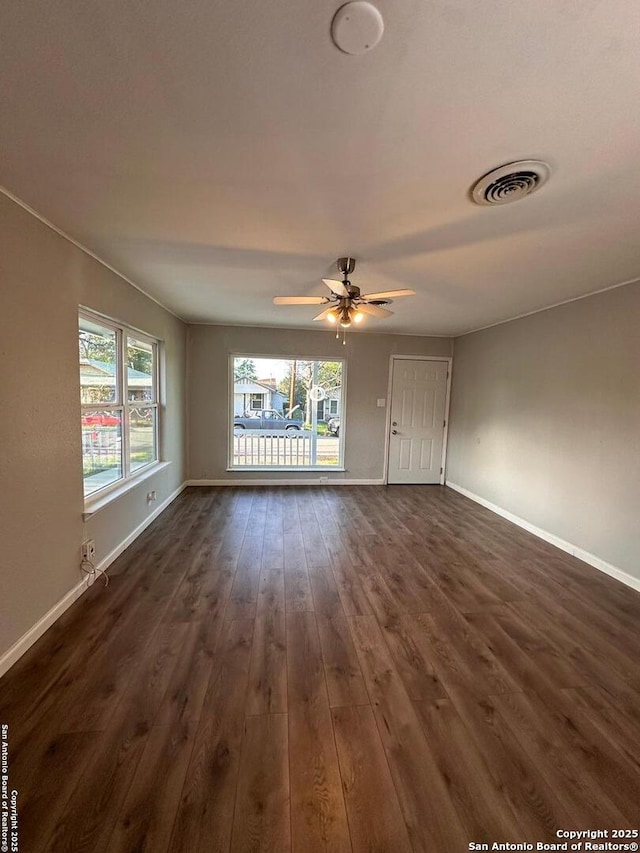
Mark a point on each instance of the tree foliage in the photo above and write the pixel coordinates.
(244, 370)
(97, 347)
(103, 348)
(328, 376)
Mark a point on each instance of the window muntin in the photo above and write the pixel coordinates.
(119, 402)
(296, 439)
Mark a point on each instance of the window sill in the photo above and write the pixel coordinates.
(95, 503)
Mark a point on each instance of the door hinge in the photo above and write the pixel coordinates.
(441, 470)
(444, 424)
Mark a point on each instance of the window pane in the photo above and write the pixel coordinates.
(98, 364)
(140, 370)
(101, 448)
(142, 436)
(291, 428)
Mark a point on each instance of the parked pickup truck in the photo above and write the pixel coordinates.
(265, 419)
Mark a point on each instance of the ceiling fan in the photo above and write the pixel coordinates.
(346, 305)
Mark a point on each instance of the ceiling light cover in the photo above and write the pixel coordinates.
(511, 182)
(357, 27)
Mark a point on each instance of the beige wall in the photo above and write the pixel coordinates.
(43, 280)
(367, 356)
(545, 422)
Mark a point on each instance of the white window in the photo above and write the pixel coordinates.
(293, 432)
(119, 401)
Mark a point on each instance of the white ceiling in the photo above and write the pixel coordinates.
(219, 153)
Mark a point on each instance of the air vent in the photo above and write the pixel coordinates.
(511, 182)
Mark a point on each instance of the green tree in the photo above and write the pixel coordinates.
(328, 376)
(97, 347)
(140, 359)
(244, 370)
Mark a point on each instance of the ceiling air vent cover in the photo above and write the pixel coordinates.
(511, 182)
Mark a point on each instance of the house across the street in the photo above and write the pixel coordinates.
(251, 396)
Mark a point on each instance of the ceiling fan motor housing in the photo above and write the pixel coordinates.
(346, 265)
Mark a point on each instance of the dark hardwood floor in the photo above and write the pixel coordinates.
(329, 669)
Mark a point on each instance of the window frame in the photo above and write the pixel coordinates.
(121, 403)
(327, 469)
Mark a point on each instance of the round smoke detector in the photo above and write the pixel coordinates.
(511, 182)
(357, 27)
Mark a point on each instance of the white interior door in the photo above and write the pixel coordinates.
(418, 401)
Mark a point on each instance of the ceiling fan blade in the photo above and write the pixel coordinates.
(388, 294)
(336, 286)
(299, 300)
(374, 310)
(324, 314)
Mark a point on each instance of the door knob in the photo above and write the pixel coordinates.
(394, 431)
(395, 423)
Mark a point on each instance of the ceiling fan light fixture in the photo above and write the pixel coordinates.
(347, 305)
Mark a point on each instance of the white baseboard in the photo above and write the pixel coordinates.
(27, 640)
(570, 548)
(104, 564)
(289, 482)
(34, 633)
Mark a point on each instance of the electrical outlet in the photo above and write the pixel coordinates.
(151, 496)
(324, 479)
(88, 550)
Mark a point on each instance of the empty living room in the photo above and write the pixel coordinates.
(320, 443)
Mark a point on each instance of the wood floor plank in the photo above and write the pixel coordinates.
(574, 773)
(148, 812)
(529, 669)
(555, 664)
(482, 805)
(262, 803)
(342, 671)
(354, 601)
(429, 814)
(267, 693)
(591, 661)
(376, 824)
(458, 653)
(246, 583)
(618, 720)
(102, 787)
(45, 778)
(318, 816)
(204, 818)
(528, 792)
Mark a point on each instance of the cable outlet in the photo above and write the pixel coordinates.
(88, 551)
